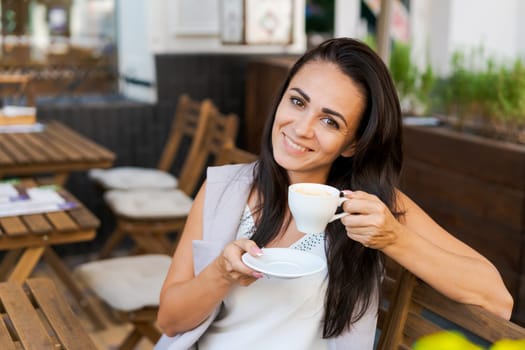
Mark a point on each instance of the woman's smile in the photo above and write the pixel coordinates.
(294, 147)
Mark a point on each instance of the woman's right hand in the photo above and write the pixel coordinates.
(231, 265)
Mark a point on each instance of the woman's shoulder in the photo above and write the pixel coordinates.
(230, 172)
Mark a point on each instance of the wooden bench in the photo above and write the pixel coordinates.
(417, 310)
(36, 316)
(26, 239)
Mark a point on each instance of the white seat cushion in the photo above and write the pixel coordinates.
(126, 283)
(149, 203)
(128, 178)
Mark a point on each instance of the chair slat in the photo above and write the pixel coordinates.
(5, 338)
(417, 326)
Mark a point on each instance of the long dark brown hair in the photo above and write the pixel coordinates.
(354, 272)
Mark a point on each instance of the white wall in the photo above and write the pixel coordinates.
(490, 24)
(147, 27)
(464, 25)
(520, 35)
(347, 19)
(194, 26)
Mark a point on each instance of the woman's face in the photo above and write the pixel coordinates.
(316, 121)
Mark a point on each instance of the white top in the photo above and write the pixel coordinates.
(289, 316)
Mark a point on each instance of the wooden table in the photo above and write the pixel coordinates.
(28, 238)
(57, 150)
(36, 317)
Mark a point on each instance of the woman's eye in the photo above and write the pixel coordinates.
(297, 102)
(330, 122)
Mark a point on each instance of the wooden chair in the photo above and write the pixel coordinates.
(388, 288)
(419, 310)
(112, 279)
(231, 154)
(186, 125)
(148, 215)
(17, 87)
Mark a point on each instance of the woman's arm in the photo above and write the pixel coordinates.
(185, 299)
(423, 247)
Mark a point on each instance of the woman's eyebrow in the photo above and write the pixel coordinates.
(335, 114)
(302, 93)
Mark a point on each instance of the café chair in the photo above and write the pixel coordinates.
(418, 310)
(16, 88)
(130, 286)
(185, 126)
(147, 216)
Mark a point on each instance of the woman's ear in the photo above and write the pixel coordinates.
(349, 150)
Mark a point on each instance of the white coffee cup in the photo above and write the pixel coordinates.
(313, 206)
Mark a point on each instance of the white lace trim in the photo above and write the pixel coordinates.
(306, 243)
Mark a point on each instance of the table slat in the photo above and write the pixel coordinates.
(37, 223)
(61, 221)
(55, 142)
(28, 182)
(11, 151)
(22, 143)
(13, 226)
(4, 157)
(84, 218)
(68, 329)
(70, 141)
(41, 147)
(24, 319)
(85, 143)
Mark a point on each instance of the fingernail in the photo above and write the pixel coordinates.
(257, 251)
(347, 192)
(257, 274)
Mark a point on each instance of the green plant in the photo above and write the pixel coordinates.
(483, 89)
(413, 85)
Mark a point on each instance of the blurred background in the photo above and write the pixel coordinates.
(114, 69)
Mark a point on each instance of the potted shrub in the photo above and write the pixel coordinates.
(469, 172)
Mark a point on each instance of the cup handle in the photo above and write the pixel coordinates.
(340, 215)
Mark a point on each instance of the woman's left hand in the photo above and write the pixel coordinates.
(369, 222)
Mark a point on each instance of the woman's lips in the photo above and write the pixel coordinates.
(294, 146)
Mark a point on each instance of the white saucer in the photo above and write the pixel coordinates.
(285, 262)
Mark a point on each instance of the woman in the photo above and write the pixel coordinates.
(337, 122)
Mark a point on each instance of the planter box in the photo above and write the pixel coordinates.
(475, 188)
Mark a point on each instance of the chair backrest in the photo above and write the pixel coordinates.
(220, 130)
(419, 310)
(231, 154)
(188, 124)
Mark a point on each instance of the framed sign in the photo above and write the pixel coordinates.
(232, 21)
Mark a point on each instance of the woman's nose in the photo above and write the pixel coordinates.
(303, 126)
